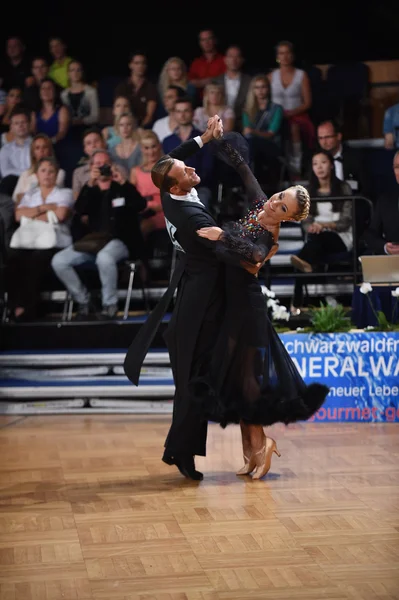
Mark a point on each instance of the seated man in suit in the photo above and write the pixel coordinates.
(382, 236)
(348, 163)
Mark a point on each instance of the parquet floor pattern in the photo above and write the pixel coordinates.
(89, 511)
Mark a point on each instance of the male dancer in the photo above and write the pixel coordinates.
(193, 327)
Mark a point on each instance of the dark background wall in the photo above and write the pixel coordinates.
(103, 35)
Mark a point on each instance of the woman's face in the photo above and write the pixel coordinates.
(47, 91)
(321, 166)
(14, 97)
(75, 72)
(175, 71)
(46, 175)
(261, 89)
(121, 105)
(282, 206)
(284, 56)
(214, 96)
(125, 127)
(151, 150)
(41, 149)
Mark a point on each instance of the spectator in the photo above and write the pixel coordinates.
(174, 73)
(108, 207)
(59, 68)
(291, 89)
(391, 127)
(142, 93)
(209, 65)
(92, 140)
(329, 225)
(203, 162)
(120, 106)
(13, 99)
(214, 103)
(52, 118)
(166, 125)
(41, 147)
(16, 68)
(27, 268)
(128, 152)
(31, 96)
(81, 99)
(15, 155)
(382, 236)
(153, 217)
(235, 83)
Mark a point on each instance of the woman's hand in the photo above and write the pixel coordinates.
(210, 233)
(316, 228)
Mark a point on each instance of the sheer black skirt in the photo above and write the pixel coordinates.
(252, 376)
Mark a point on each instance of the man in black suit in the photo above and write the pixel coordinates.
(193, 327)
(235, 83)
(382, 236)
(348, 163)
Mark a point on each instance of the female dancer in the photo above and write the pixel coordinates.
(252, 379)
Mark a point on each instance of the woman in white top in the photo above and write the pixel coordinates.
(80, 98)
(41, 147)
(26, 269)
(329, 225)
(214, 103)
(291, 89)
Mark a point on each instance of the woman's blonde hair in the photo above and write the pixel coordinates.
(251, 103)
(33, 161)
(164, 79)
(303, 199)
(148, 134)
(135, 133)
(210, 87)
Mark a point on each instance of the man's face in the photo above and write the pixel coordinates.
(207, 41)
(185, 176)
(183, 113)
(169, 100)
(138, 65)
(328, 139)
(57, 49)
(93, 141)
(39, 69)
(99, 160)
(14, 48)
(233, 59)
(19, 126)
(396, 167)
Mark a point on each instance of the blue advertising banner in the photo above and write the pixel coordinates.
(361, 370)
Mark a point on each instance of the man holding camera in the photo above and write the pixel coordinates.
(106, 230)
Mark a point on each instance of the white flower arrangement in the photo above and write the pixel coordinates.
(366, 288)
(279, 312)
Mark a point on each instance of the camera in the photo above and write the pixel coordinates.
(105, 171)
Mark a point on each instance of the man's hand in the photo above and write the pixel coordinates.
(94, 176)
(214, 129)
(210, 233)
(392, 248)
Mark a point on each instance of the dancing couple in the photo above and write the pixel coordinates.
(228, 363)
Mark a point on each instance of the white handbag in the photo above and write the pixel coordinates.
(33, 234)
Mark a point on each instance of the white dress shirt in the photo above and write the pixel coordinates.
(231, 87)
(15, 158)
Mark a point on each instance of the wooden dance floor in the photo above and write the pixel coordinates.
(89, 511)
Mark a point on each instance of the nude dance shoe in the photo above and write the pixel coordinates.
(263, 458)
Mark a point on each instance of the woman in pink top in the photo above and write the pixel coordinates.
(140, 176)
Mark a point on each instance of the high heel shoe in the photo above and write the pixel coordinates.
(263, 458)
(249, 465)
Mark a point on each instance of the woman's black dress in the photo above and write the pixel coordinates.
(251, 376)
